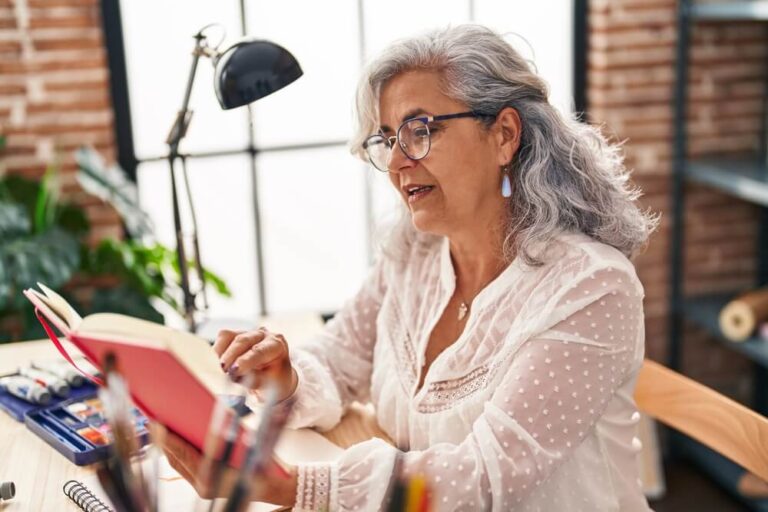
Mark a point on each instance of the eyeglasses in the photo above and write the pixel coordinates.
(413, 138)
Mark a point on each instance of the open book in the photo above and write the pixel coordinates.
(174, 377)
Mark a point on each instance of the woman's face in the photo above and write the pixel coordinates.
(463, 168)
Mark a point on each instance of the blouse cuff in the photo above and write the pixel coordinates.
(317, 484)
(317, 402)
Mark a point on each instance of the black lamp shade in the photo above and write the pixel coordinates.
(252, 69)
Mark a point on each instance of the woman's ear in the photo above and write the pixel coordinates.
(508, 130)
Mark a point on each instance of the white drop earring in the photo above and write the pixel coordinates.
(506, 185)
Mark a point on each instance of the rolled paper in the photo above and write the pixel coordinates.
(741, 316)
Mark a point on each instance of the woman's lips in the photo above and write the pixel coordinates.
(418, 195)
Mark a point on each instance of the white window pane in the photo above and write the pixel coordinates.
(158, 48)
(323, 36)
(548, 28)
(155, 198)
(387, 21)
(222, 193)
(313, 222)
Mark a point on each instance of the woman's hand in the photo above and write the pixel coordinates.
(260, 354)
(273, 486)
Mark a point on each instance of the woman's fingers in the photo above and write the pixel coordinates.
(263, 355)
(223, 339)
(239, 345)
(252, 357)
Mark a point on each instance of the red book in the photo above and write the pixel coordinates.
(174, 377)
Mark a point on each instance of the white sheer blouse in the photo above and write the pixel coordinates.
(530, 409)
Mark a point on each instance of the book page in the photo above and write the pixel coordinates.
(61, 307)
(44, 306)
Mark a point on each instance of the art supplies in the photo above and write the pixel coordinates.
(55, 385)
(62, 370)
(25, 389)
(124, 486)
(218, 452)
(18, 408)
(260, 446)
(741, 316)
(79, 429)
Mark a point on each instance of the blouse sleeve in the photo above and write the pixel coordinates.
(334, 369)
(554, 390)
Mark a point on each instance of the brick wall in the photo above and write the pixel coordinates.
(630, 92)
(54, 94)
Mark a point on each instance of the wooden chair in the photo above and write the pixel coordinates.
(727, 427)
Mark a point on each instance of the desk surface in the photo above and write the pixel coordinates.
(39, 471)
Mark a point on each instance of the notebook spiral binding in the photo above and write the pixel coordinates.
(84, 498)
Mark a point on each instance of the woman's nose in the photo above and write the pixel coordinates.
(399, 161)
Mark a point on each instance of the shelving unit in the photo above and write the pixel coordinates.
(744, 180)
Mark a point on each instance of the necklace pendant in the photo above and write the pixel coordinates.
(463, 310)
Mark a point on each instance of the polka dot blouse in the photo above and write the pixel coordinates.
(530, 409)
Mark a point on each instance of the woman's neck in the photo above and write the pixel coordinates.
(478, 257)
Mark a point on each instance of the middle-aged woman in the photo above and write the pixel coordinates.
(500, 333)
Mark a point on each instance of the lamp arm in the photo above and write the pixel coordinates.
(175, 136)
(195, 243)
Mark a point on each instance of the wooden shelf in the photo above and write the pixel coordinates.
(745, 179)
(738, 10)
(704, 312)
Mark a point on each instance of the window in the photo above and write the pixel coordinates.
(318, 205)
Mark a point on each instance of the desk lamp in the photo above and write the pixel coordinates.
(243, 73)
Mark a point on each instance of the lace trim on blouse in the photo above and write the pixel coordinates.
(313, 487)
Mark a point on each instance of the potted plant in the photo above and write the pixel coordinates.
(43, 240)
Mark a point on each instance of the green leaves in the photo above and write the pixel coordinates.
(51, 257)
(112, 185)
(41, 239)
(14, 221)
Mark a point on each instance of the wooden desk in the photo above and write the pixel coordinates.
(39, 471)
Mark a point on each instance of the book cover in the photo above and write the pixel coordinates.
(174, 377)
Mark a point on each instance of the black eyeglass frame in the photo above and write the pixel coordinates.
(424, 119)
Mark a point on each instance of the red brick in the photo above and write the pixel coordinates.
(62, 3)
(69, 22)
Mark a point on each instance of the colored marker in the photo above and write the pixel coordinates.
(55, 385)
(26, 389)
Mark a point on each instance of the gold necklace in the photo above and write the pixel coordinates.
(463, 306)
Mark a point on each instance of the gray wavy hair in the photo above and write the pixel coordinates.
(565, 176)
